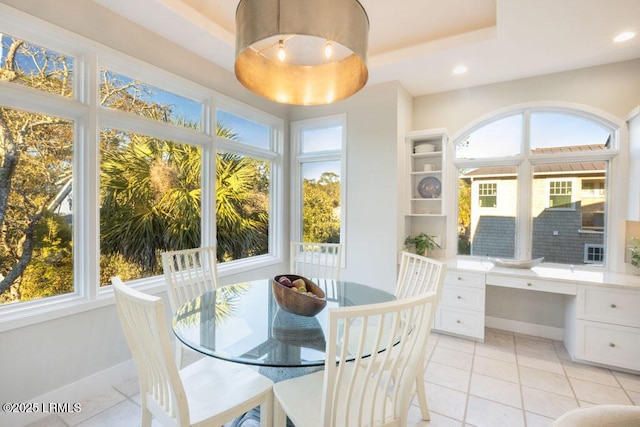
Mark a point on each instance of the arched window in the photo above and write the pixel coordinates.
(533, 183)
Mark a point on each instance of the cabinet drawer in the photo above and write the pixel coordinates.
(460, 322)
(462, 297)
(464, 278)
(532, 284)
(609, 344)
(610, 305)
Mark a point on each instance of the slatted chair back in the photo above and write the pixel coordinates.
(374, 390)
(316, 260)
(189, 273)
(144, 324)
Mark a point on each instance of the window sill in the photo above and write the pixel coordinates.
(18, 316)
(29, 313)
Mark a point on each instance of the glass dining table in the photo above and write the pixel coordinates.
(243, 323)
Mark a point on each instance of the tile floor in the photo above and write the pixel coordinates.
(510, 380)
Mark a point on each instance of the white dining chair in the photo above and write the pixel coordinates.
(365, 387)
(188, 273)
(417, 275)
(206, 393)
(316, 260)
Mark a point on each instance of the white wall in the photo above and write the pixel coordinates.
(373, 133)
(613, 88)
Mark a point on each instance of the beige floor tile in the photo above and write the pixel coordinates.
(535, 420)
(125, 413)
(545, 362)
(561, 350)
(590, 373)
(490, 351)
(49, 421)
(93, 405)
(437, 420)
(534, 344)
(496, 368)
(598, 393)
(456, 343)
(485, 413)
(500, 391)
(635, 397)
(450, 357)
(129, 388)
(498, 336)
(628, 381)
(544, 380)
(447, 376)
(545, 403)
(446, 401)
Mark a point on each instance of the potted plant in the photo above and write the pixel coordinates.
(422, 243)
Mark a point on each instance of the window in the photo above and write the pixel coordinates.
(42, 68)
(126, 94)
(150, 195)
(319, 166)
(37, 152)
(593, 254)
(544, 175)
(37, 231)
(153, 146)
(560, 194)
(488, 195)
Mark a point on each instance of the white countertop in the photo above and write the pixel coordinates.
(588, 276)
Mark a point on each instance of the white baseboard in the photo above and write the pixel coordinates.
(525, 328)
(74, 392)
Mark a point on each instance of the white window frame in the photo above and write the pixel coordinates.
(588, 246)
(493, 183)
(88, 117)
(616, 182)
(298, 158)
(574, 185)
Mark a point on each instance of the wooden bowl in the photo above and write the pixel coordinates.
(296, 302)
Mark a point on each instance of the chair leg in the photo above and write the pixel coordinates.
(422, 394)
(267, 412)
(279, 416)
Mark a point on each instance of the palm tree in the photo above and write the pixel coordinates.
(151, 198)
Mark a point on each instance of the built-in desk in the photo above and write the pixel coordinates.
(601, 310)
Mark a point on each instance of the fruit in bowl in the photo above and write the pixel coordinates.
(298, 295)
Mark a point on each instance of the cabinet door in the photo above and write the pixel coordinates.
(460, 322)
(610, 305)
(609, 344)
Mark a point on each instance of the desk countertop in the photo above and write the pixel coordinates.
(556, 272)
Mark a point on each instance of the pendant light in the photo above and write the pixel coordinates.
(302, 52)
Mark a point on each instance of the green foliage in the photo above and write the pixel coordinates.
(242, 208)
(464, 217)
(422, 243)
(321, 204)
(50, 271)
(635, 251)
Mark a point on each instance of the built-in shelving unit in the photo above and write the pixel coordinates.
(425, 176)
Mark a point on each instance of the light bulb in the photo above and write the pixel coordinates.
(281, 52)
(328, 49)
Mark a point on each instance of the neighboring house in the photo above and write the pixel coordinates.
(567, 210)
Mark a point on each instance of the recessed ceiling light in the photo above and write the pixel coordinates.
(460, 69)
(623, 37)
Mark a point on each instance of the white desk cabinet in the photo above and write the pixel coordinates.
(461, 307)
(606, 327)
